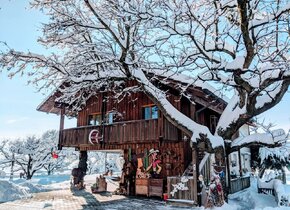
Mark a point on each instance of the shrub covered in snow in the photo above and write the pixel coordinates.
(274, 158)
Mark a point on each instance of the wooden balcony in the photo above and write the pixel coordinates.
(137, 131)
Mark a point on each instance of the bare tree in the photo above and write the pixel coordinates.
(56, 159)
(30, 154)
(7, 158)
(242, 47)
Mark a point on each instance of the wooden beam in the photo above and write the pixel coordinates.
(206, 104)
(240, 162)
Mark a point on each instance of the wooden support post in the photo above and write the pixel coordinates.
(192, 111)
(228, 175)
(61, 126)
(62, 112)
(195, 171)
(240, 162)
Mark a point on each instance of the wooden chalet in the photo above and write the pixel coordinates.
(134, 125)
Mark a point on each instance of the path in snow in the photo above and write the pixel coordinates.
(65, 199)
(77, 200)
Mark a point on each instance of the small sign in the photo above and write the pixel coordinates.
(94, 137)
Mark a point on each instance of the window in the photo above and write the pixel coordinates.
(114, 116)
(154, 112)
(110, 117)
(234, 160)
(95, 119)
(213, 123)
(150, 112)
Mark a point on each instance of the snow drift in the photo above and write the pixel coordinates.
(10, 191)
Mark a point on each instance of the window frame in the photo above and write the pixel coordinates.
(94, 117)
(150, 108)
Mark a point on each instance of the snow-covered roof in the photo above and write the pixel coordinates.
(275, 137)
(187, 82)
(50, 99)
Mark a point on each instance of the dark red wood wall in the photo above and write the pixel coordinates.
(130, 106)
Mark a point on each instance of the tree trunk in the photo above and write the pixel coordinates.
(28, 176)
(12, 167)
(49, 169)
(29, 166)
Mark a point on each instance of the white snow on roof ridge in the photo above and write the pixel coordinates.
(196, 82)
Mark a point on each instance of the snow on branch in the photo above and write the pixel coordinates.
(280, 153)
(232, 113)
(174, 115)
(46, 72)
(194, 43)
(270, 18)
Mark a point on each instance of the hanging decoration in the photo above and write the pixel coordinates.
(54, 155)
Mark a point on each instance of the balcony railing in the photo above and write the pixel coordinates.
(240, 183)
(116, 133)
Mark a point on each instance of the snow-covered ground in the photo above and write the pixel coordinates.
(20, 188)
(251, 199)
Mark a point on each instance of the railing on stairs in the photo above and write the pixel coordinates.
(189, 170)
(181, 189)
(204, 168)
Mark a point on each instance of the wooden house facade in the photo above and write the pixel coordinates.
(134, 125)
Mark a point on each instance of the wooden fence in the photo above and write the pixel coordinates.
(180, 194)
(239, 184)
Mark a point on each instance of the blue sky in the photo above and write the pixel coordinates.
(20, 27)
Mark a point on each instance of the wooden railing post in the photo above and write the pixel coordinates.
(228, 175)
